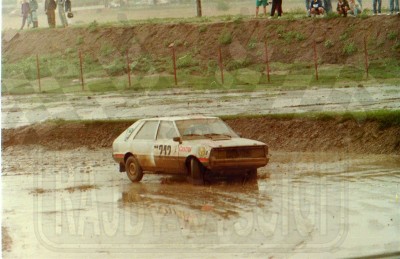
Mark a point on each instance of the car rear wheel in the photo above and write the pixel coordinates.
(196, 172)
(133, 169)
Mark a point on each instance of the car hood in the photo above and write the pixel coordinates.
(232, 142)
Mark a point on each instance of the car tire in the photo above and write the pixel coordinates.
(252, 175)
(133, 169)
(196, 172)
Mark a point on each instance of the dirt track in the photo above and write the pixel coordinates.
(74, 202)
(289, 135)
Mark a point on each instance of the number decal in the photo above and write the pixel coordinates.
(166, 149)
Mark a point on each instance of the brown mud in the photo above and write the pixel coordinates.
(311, 205)
(280, 134)
(289, 40)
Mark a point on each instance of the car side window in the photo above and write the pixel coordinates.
(167, 130)
(148, 130)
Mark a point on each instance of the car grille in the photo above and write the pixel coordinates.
(239, 152)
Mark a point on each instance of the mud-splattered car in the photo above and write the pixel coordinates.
(192, 146)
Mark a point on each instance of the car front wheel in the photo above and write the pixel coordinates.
(196, 172)
(252, 175)
(133, 169)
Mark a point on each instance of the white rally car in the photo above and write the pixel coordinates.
(190, 146)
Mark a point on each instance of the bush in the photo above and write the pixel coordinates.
(116, 67)
(392, 35)
(186, 61)
(225, 38)
(328, 44)
(350, 48)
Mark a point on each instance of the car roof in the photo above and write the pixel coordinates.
(179, 118)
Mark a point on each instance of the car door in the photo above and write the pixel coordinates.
(143, 144)
(166, 149)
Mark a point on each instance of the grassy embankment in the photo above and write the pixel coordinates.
(60, 72)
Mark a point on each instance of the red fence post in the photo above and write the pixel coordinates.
(172, 46)
(38, 72)
(267, 59)
(129, 69)
(366, 55)
(80, 63)
(221, 65)
(316, 60)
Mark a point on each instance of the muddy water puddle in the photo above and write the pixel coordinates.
(314, 204)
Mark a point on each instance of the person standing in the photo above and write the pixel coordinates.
(61, 13)
(24, 12)
(327, 6)
(276, 5)
(49, 8)
(308, 2)
(355, 8)
(264, 3)
(374, 3)
(394, 7)
(316, 8)
(343, 7)
(33, 5)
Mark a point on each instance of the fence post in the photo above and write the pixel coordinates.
(172, 46)
(129, 69)
(366, 55)
(199, 12)
(80, 63)
(267, 59)
(316, 60)
(38, 72)
(221, 65)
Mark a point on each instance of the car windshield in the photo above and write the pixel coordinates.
(204, 128)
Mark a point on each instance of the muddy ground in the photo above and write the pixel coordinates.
(331, 189)
(72, 203)
(23, 117)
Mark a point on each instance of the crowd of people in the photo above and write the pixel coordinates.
(29, 12)
(313, 8)
(320, 7)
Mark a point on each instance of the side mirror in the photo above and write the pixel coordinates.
(177, 139)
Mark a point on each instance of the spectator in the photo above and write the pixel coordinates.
(24, 12)
(316, 8)
(276, 5)
(33, 5)
(394, 7)
(264, 3)
(327, 6)
(343, 7)
(374, 3)
(49, 8)
(355, 8)
(61, 13)
(308, 2)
